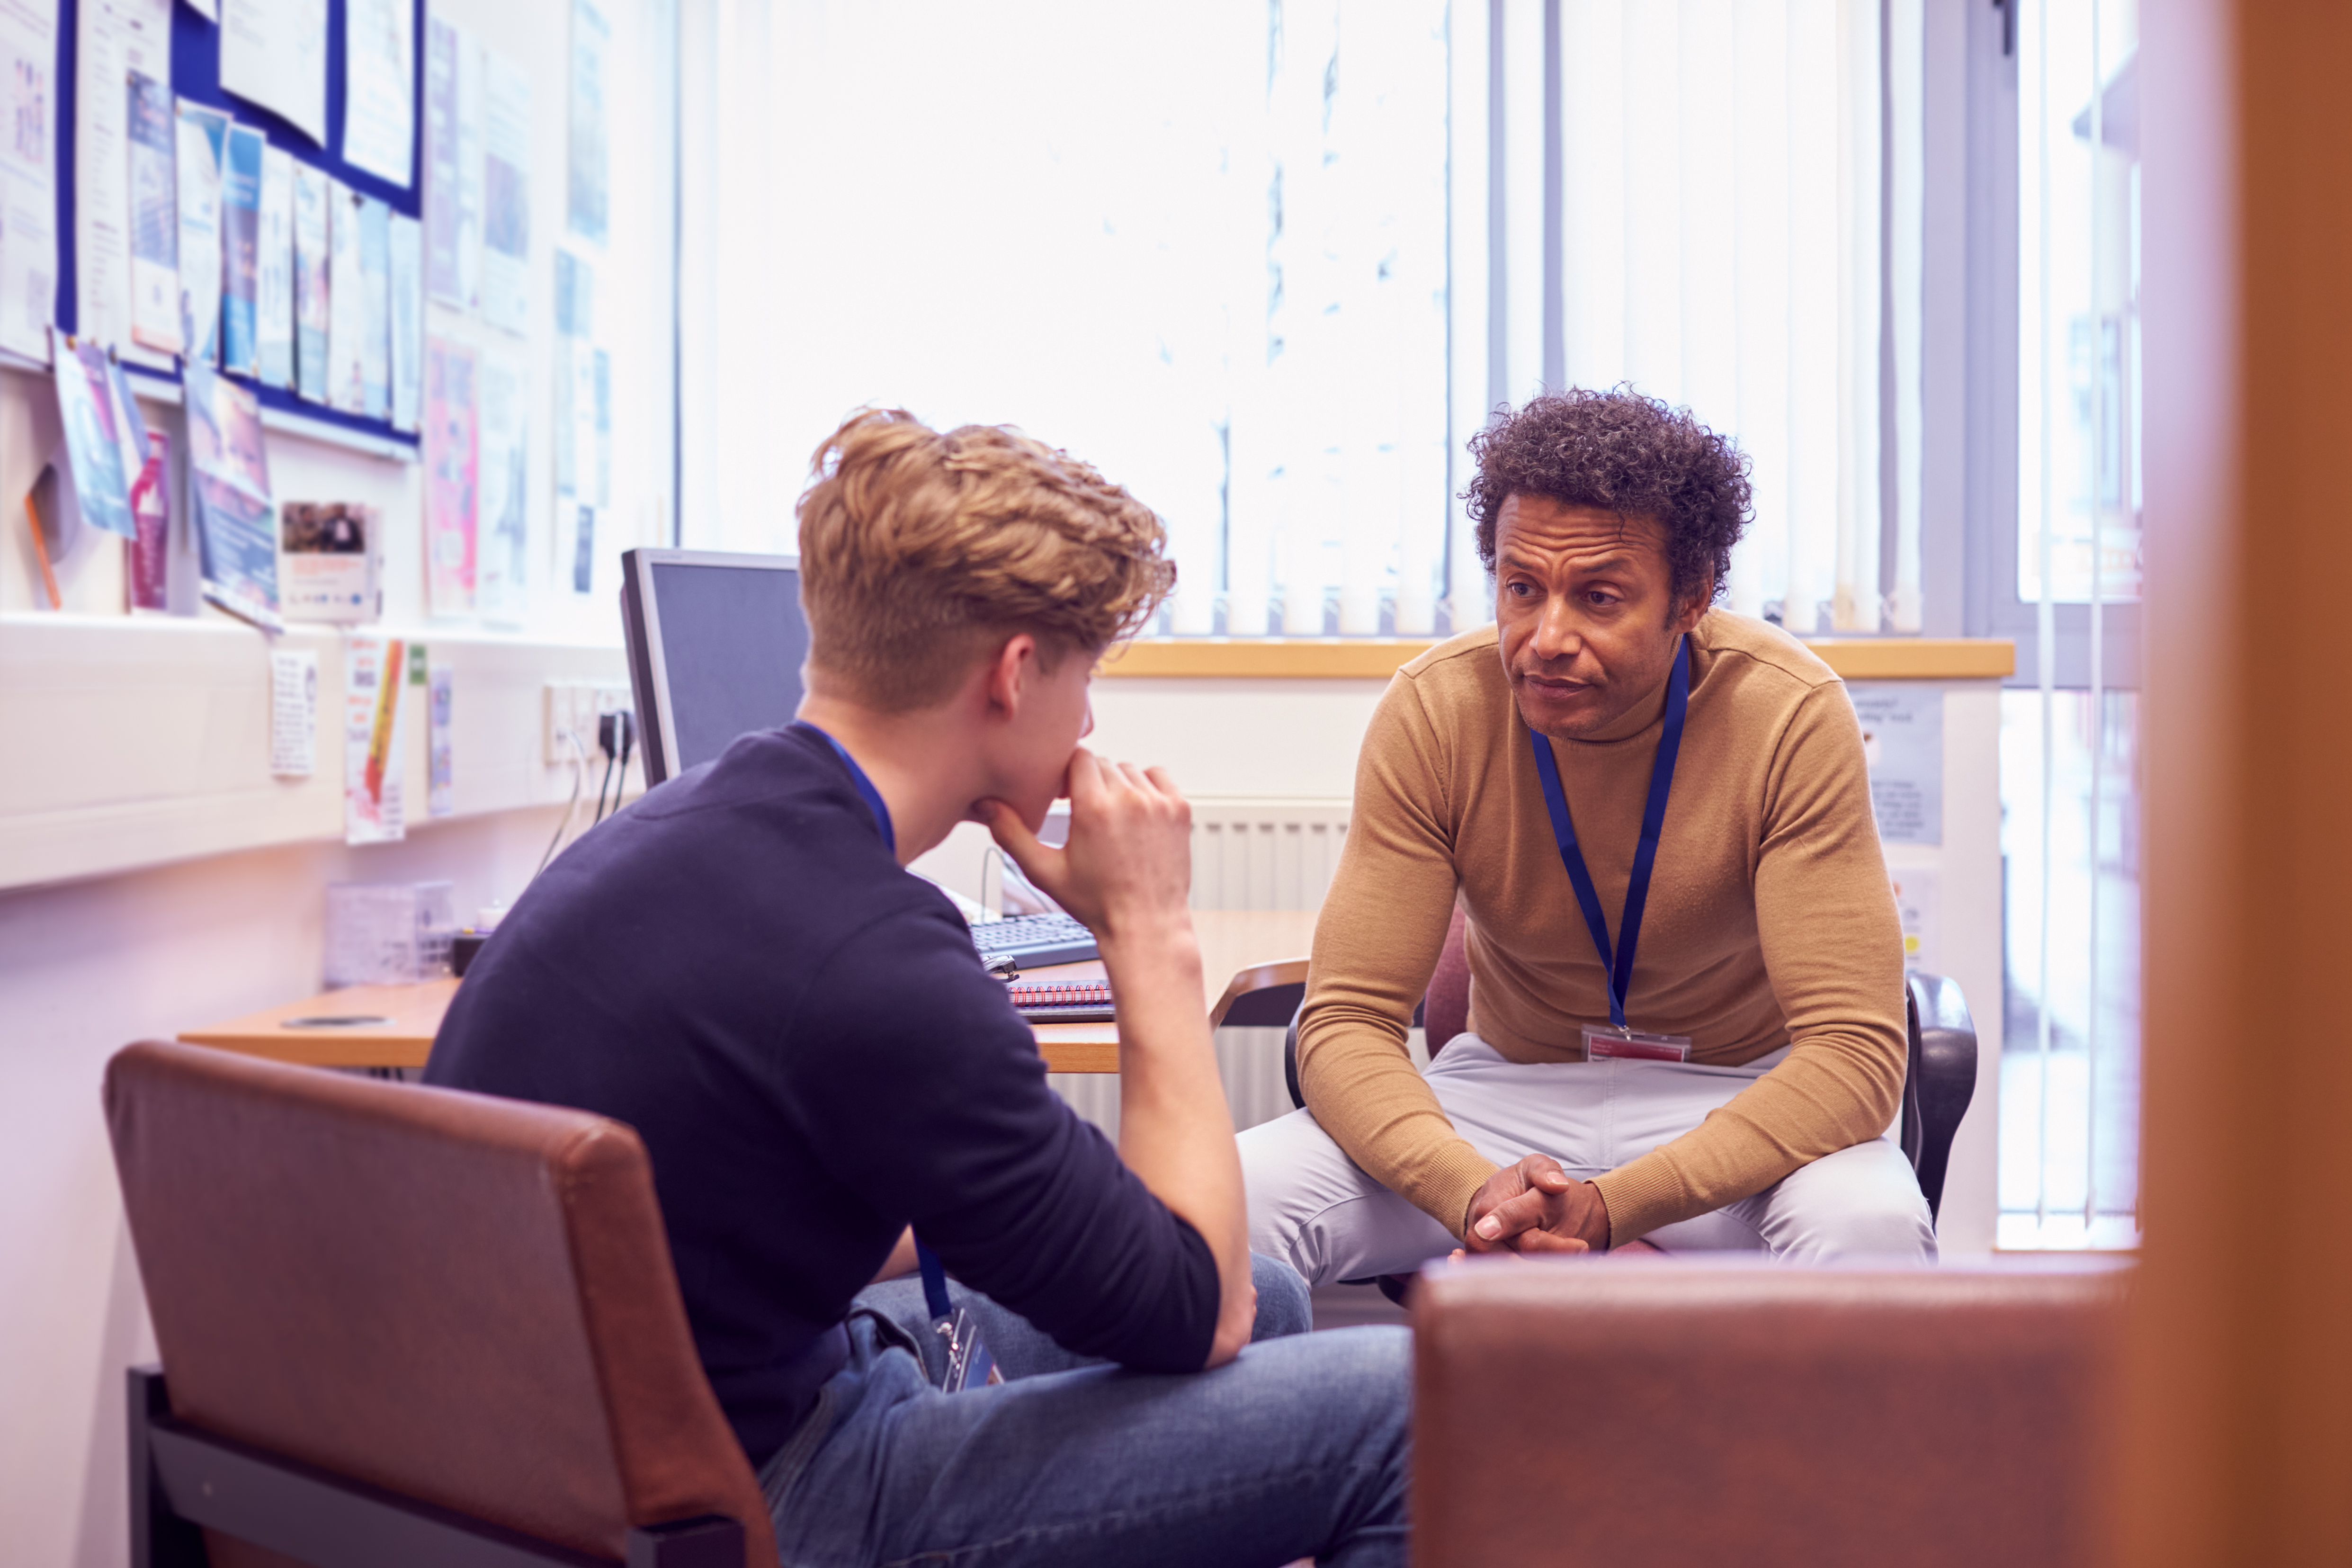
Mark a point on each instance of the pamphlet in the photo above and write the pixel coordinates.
(111, 39)
(240, 249)
(293, 712)
(273, 270)
(148, 583)
(154, 215)
(346, 302)
(453, 161)
(503, 486)
(372, 739)
(204, 136)
(407, 323)
(440, 774)
(313, 198)
(592, 45)
(332, 555)
(450, 457)
(376, 282)
(228, 490)
(93, 438)
(378, 69)
(274, 53)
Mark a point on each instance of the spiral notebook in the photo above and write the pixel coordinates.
(1064, 1001)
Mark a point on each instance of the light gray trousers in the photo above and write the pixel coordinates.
(1313, 1207)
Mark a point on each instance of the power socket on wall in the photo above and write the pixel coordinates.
(575, 706)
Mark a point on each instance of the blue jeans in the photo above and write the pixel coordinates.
(1296, 1448)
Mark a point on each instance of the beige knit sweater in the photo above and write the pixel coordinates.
(1770, 919)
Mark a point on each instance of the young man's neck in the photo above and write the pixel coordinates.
(923, 769)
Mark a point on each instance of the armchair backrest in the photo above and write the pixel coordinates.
(463, 1299)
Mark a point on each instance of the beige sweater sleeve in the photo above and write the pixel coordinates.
(1834, 948)
(1376, 944)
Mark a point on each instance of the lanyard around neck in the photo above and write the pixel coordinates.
(1619, 962)
(872, 796)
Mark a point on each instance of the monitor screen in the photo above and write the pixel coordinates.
(730, 640)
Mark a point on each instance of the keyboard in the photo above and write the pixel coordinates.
(1032, 940)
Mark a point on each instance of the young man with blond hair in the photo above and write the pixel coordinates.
(741, 967)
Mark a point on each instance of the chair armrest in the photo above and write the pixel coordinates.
(1677, 1410)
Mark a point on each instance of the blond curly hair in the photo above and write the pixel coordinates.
(922, 550)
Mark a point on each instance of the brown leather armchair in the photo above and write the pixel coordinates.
(404, 1324)
(1674, 1411)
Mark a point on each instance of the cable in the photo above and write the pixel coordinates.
(579, 777)
(603, 785)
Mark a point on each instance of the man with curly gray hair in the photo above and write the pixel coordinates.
(1687, 1025)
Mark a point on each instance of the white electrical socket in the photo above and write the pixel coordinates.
(576, 705)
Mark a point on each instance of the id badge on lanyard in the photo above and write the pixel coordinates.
(1619, 1041)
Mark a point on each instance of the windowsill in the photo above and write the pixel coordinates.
(1377, 658)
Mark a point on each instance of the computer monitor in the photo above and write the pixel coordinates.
(716, 642)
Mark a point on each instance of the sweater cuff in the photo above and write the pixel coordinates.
(1641, 1195)
(1454, 1176)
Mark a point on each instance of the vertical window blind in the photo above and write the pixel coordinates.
(1271, 263)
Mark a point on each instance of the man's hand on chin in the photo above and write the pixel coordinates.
(1536, 1206)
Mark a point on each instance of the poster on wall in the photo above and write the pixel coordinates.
(347, 309)
(203, 137)
(314, 199)
(407, 323)
(241, 250)
(28, 177)
(331, 557)
(154, 215)
(274, 53)
(375, 320)
(112, 38)
(453, 161)
(587, 180)
(449, 477)
(1903, 743)
(378, 69)
(501, 577)
(506, 193)
(273, 270)
(372, 753)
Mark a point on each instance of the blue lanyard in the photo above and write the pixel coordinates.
(935, 1277)
(1620, 964)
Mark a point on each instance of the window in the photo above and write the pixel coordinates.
(1270, 262)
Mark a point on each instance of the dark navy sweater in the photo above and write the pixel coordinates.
(805, 1039)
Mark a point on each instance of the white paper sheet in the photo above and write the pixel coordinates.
(591, 75)
(208, 10)
(444, 278)
(347, 312)
(506, 193)
(379, 71)
(314, 200)
(375, 275)
(407, 322)
(29, 175)
(501, 574)
(112, 38)
(273, 296)
(274, 53)
(203, 132)
(293, 712)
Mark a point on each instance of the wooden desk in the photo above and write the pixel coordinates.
(1241, 950)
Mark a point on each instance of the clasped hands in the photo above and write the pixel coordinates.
(1534, 1206)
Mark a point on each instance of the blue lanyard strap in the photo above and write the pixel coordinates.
(1619, 963)
(872, 796)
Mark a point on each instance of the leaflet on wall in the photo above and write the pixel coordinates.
(575, 370)
(203, 139)
(273, 270)
(407, 322)
(450, 457)
(440, 753)
(148, 127)
(314, 200)
(453, 161)
(501, 490)
(347, 310)
(506, 193)
(241, 250)
(333, 559)
(147, 583)
(1919, 908)
(375, 285)
(1903, 743)
(28, 177)
(293, 712)
(372, 729)
(228, 490)
(379, 74)
(93, 440)
(274, 53)
(592, 48)
(111, 39)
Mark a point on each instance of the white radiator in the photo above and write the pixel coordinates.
(1248, 854)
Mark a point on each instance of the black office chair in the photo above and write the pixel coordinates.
(1939, 1081)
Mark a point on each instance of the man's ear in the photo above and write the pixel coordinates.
(1687, 618)
(1010, 672)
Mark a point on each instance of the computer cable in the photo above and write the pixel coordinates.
(579, 778)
